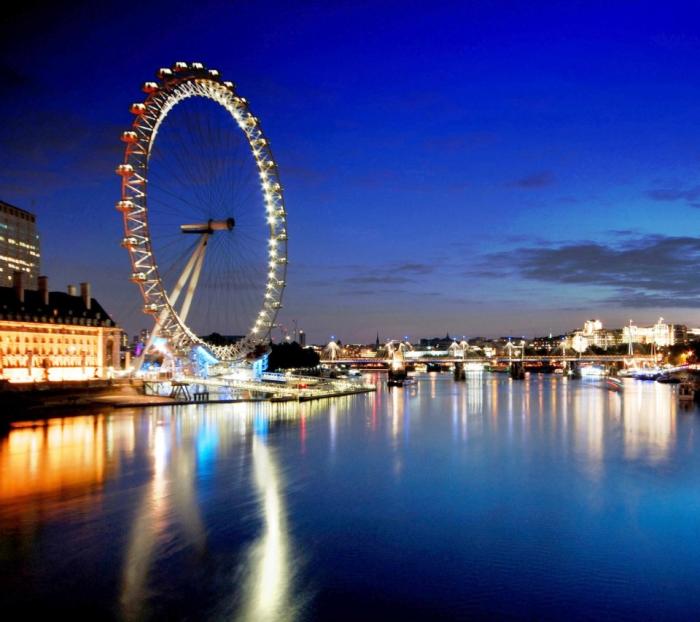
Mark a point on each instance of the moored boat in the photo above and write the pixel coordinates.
(686, 391)
(614, 384)
(668, 379)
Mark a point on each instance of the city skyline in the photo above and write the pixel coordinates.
(532, 173)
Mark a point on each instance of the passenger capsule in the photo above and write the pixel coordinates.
(138, 108)
(164, 73)
(150, 87)
(151, 308)
(125, 170)
(198, 66)
(214, 73)
(138, 277)
(129, 137)
(125, 206)
(129, 242)
(229, 85)
(180, 66)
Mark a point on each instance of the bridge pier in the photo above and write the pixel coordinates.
(459, 372)
(517, 370)
(575, 367)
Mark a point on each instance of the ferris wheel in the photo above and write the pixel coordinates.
(204, 218)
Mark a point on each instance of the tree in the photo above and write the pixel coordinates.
(291, 355)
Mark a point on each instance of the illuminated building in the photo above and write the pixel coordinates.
(53, 336)
(660, 334)
(591, 326)
(593, 334)
(19, 244)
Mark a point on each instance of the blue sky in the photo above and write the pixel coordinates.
(481, 168)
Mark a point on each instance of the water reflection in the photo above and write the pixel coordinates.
(168, 505)
(588, 410)
(649, 419)
(220, 489)
(62, 455)
(267, 594)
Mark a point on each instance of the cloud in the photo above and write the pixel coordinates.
(650, 271)
(534, 181)
(415, 268)
(676, 192)
(377, 278)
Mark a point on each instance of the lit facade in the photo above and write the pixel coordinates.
(55, 336)
(590, 327)
(593, 335)
(660, 334)
(19, 245)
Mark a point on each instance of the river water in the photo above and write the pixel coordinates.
(539, 499)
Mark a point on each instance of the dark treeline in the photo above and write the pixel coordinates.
(291, 355)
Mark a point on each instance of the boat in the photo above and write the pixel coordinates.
(401, 382)
(647, 374)
(686, 391)
(592, 371)
(498, 368)
(641, 373)
(614, 384)
(397, 376)
(668, 379)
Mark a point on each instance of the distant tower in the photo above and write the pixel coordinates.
(630, 349)
(302, 338)
(376, 343)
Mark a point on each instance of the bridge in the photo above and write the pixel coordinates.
(497, 360)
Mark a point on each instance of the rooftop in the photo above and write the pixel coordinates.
(63, 308)
(16, 211)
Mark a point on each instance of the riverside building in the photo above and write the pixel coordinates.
(660, 334)
(19, 245)
(54, 336)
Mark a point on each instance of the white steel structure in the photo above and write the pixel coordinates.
(210, 237)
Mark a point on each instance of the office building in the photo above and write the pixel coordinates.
(19, 245)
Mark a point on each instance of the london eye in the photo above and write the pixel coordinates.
(204, 218)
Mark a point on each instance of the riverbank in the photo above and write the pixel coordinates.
(24, 401)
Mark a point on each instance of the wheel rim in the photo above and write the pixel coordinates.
(140, 200)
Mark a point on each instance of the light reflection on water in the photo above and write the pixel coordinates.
(209, 510)
(267, 592)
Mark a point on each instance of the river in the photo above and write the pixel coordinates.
(540, 499)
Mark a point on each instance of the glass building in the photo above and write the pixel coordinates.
(19, 245)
